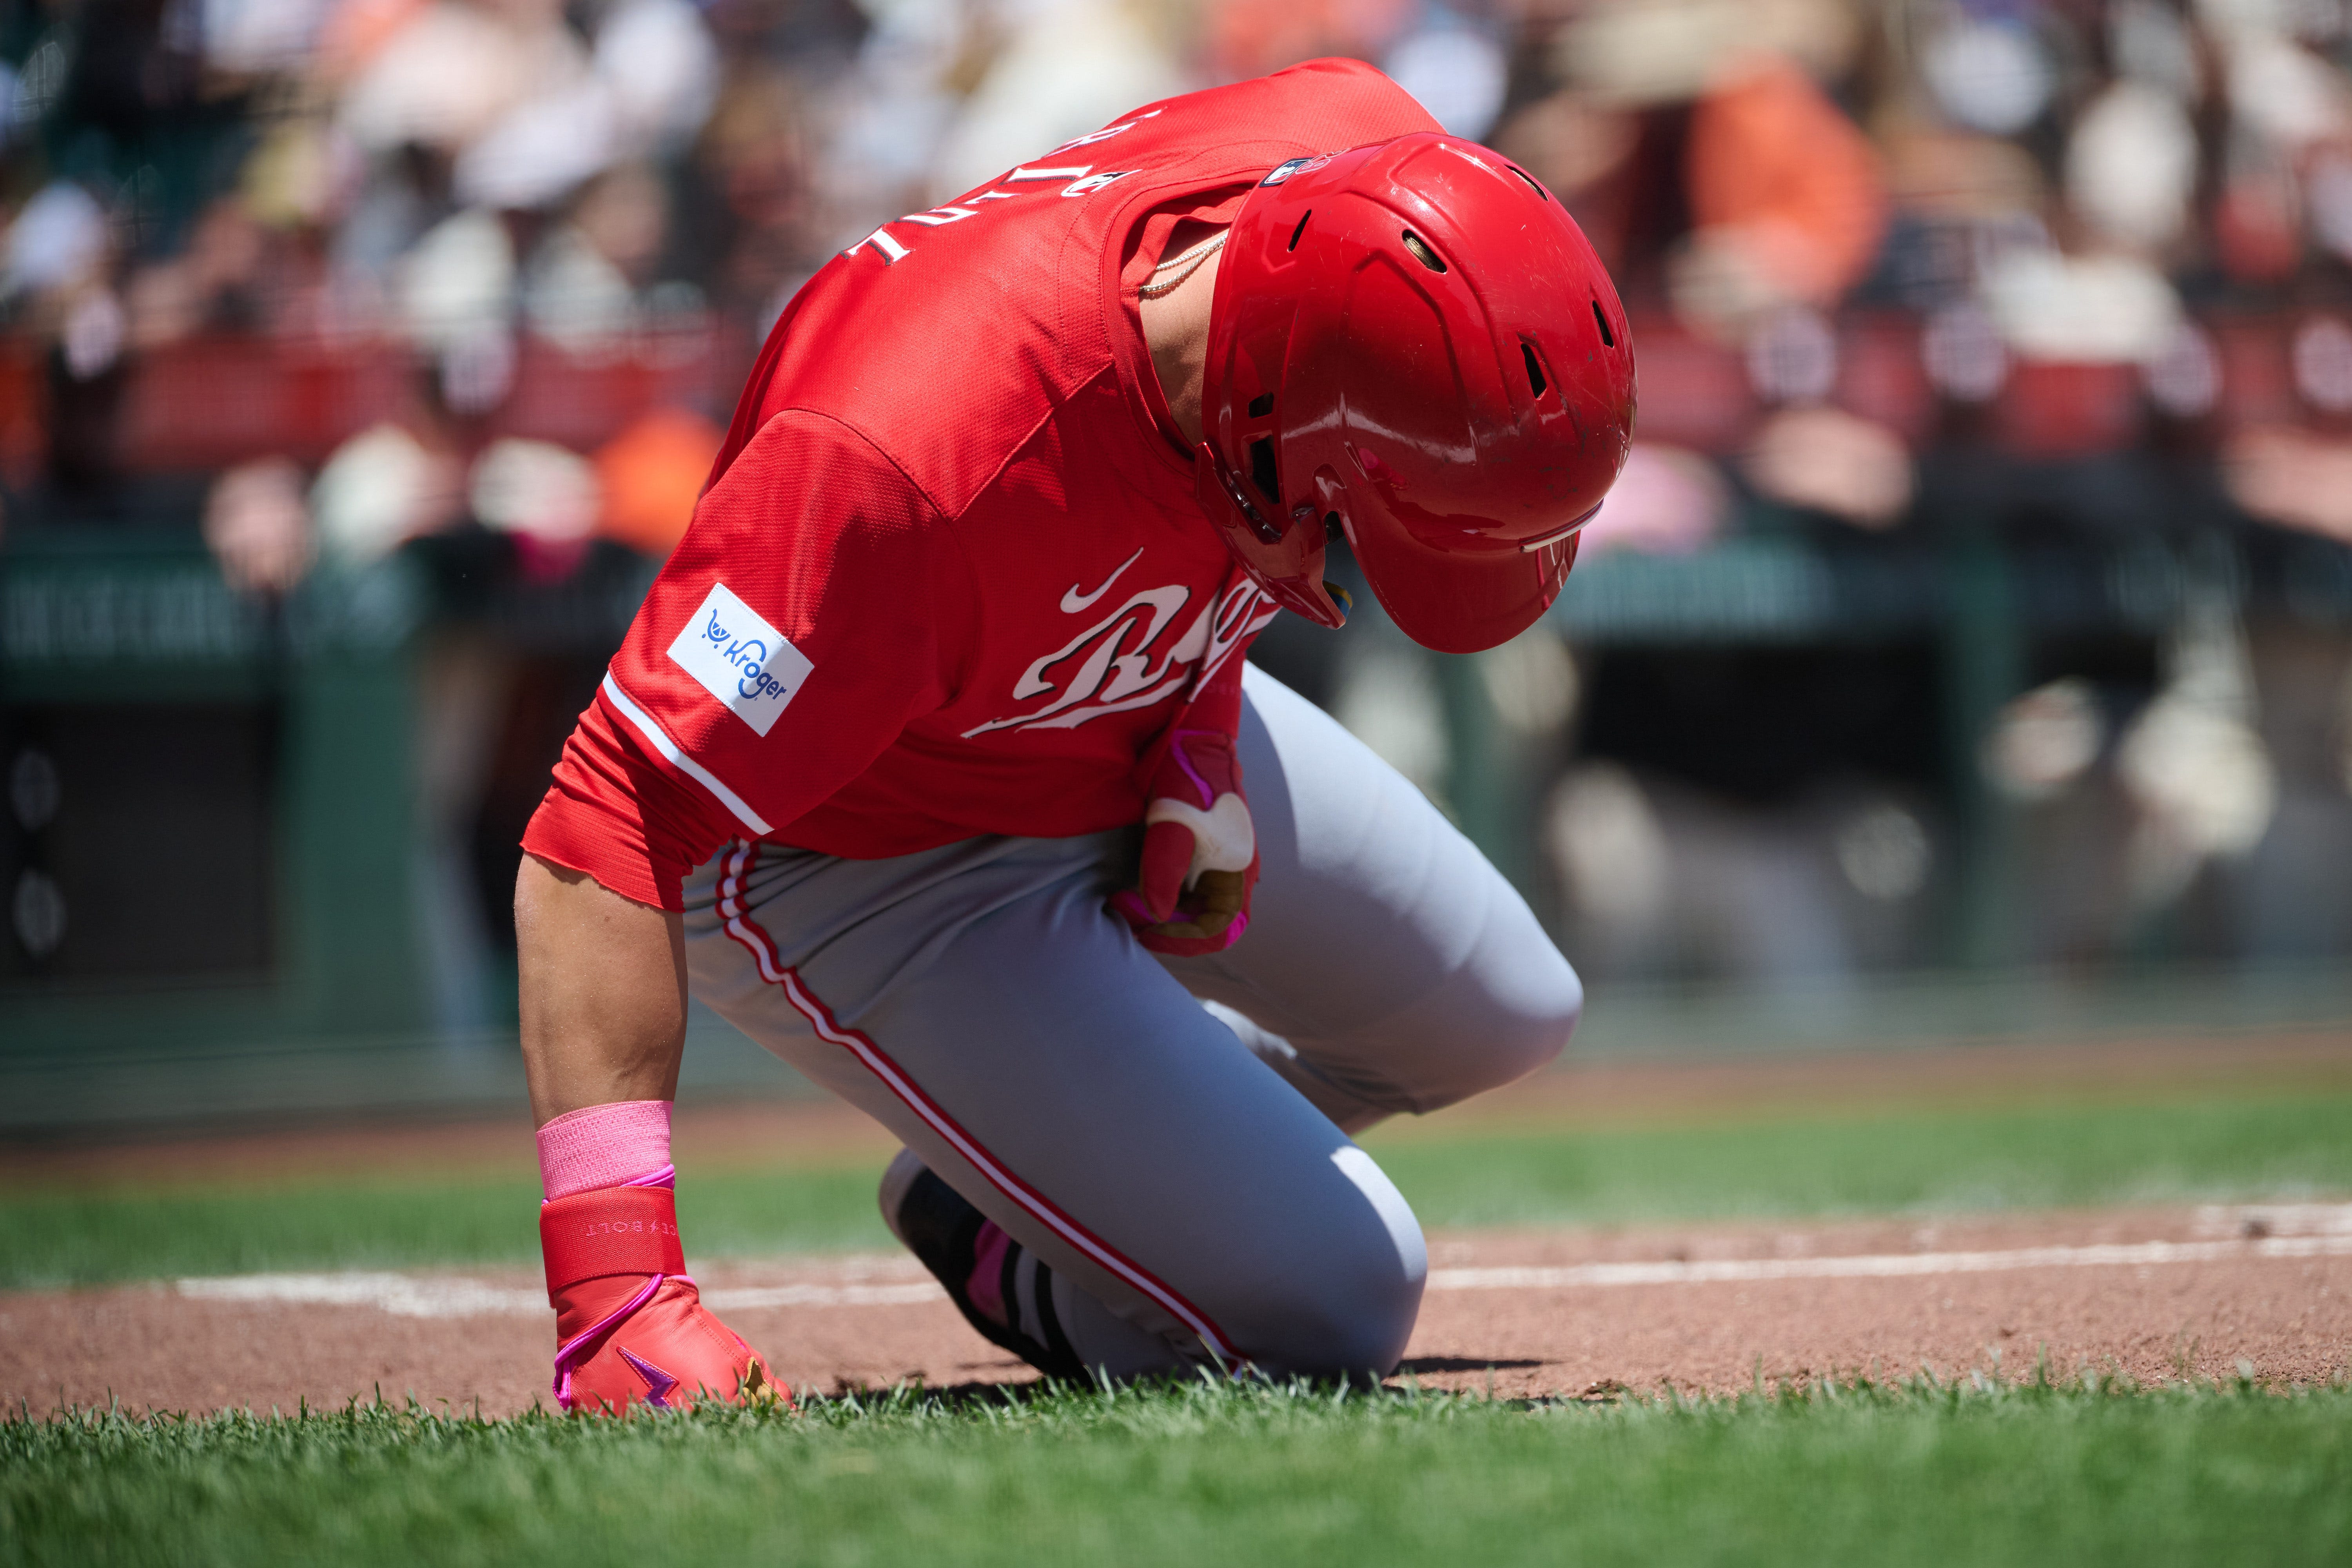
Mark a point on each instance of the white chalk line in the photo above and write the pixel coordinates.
(414, 1296)
(2314, 1230)
(755, 1296)
(402, 1295)
(1886, 1265)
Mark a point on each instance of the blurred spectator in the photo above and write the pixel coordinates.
(1667, 501)
(2044, 741)
(2298, 478)
(399, 479)
(2131, 167)
(543, 498)
(1250, 38)
(650, 476)
(1065, 67)
(2193, 761)
(257, 525)
(1663, 881)
(514, 257)
(57, 244)
(1785, 196)
(1832, 462)
(752, 167)
(1691, 132)
(591, 280)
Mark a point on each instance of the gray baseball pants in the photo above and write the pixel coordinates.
(1183, 1170)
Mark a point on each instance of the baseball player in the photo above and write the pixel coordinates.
(932, 761)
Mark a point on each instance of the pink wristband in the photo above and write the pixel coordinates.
(625, 1144)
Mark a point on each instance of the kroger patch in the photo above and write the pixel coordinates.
(740, 659)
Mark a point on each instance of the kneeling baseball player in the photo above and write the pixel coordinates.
(932, 761)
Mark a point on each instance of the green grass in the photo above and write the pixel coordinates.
(62, 1238)
(2271, 1145)
(1906, 1162)
(1196, 1474)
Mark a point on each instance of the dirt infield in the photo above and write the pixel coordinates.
(2155, 1294)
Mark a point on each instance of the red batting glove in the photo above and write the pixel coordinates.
(630, 1327)
(1200, 851)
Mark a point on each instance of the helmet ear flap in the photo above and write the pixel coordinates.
(1285, 555)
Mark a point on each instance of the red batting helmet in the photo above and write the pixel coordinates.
(1414, 343)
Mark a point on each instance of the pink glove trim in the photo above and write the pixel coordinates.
(569, 1356)
(1130, 908)
(605, 1146)
(1183, 758)
(1201, 763)
(1128, 905)
(1194, 946)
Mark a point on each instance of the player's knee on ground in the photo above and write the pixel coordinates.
(1346, 1303)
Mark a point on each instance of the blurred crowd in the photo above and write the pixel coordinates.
(2063, 206)
(2073, 202)
(2068, 182)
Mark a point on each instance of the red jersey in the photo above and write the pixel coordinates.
(947, 577)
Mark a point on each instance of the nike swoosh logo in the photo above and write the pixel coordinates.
(1075, 603)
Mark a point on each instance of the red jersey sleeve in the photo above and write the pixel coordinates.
(817, 604)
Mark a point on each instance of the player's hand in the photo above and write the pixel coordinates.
(630, 1326)
(1200, 851)
(667, 1350)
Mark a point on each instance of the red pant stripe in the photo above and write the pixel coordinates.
(755, 939)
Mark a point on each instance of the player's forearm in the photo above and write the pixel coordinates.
(604, 992)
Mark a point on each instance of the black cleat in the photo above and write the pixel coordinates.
(971, 1256)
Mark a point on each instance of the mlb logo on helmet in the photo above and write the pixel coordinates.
(740, 659)
(1295, 166)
